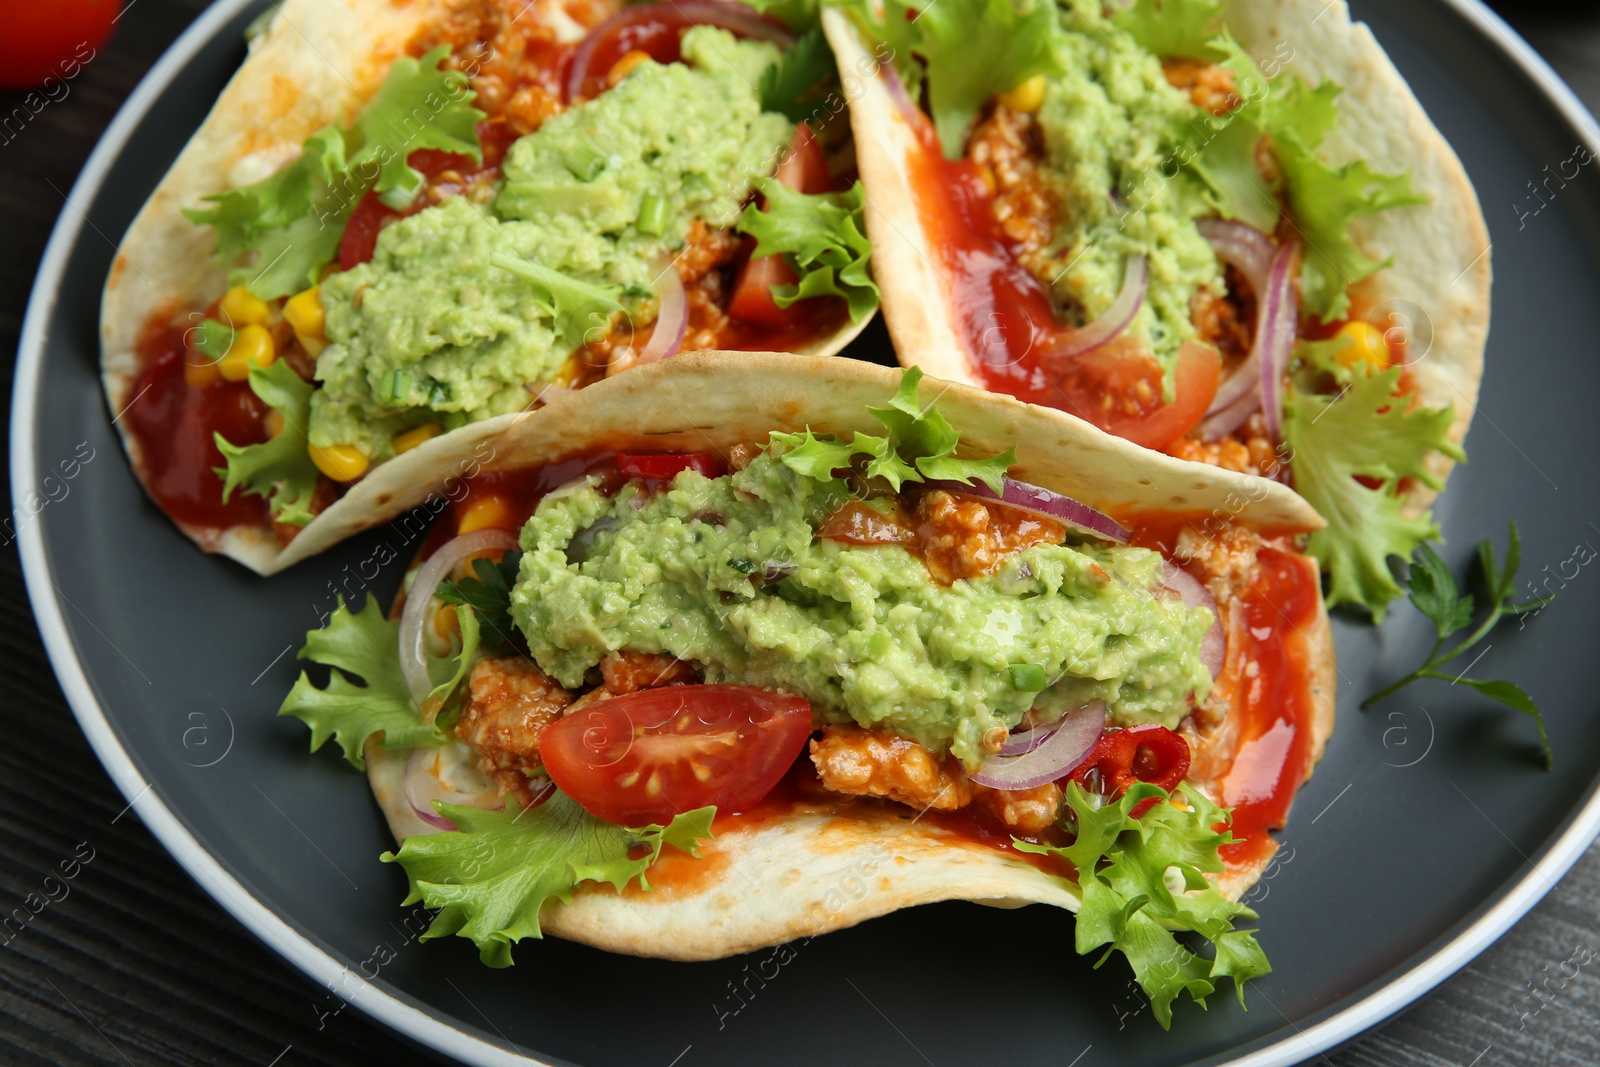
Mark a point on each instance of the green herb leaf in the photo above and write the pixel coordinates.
(490, 877)
(822, 237)
(1364, 431)
(796, 84)
(293, 220)
(1434, 592)
(279, 469)
(1122, 865)
(488, 595)
(361, 645)
(1512, 696)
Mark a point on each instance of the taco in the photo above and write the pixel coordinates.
(1220, 228)
(403, 224)
(771, 646)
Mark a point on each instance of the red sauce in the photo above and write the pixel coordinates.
(1274, 753)
(825, 316)
(174, 423)
(1003, 313)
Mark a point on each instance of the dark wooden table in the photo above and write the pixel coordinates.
(136, 965)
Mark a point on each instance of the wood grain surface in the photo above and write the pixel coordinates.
(135, 965)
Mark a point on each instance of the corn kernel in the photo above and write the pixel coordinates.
(241, 307)
(444, 621)
(1366, 345)
(621, 67)
(275, 423)
(198, 370)
(487, 512)
(405, 442)
(304, 312)
(252, 347)
(342, 463)
(1028, 96)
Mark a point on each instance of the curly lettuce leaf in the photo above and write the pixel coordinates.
(972, 50)
(1122, 865)
(920, 446)
(577, 307)
(799, 15)
(279, 469)
(366, 645)
(823, 239)
(1366, 430)
(1185, 28)
(293, 220)
(489, 877)
(796, 84)
(1295, 118)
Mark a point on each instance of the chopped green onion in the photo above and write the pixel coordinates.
(653, 215)
(439, 394)
(1029, 678)
(585, 163)
(394, 385)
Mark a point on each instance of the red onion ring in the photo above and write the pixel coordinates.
(672, 320)
(1250, 252)
(1280, 321)
(417, 612)
(1042, 501)
(1214, 646)
(1129, 299)
(1028, 740)
(423, 787)
(1221, 423)
(897, 89)
(738, 18)
(1069, 743)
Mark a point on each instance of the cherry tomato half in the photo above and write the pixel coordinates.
(647, 756)
(48, 43)
(1120, 758)
(1123, 372)
(664, 466)
(805, 169)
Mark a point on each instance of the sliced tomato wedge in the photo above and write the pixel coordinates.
(664, 466)
(805, 169)
(1118, 388)
(648, 756)
(1121, 758)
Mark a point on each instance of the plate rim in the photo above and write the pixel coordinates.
(397, 1011)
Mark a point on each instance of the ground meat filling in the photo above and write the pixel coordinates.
(508, 703)
(867, 763)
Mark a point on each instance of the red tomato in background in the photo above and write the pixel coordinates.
(52, 39)
(647, 756)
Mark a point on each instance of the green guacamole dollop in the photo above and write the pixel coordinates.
(1117, 141)
(430, 330)
(728, 573)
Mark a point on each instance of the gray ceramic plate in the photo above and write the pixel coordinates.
(1428, 830)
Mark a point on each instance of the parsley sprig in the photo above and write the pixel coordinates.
(488, 595)
(1435, 593)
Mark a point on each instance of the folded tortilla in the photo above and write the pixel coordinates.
(1439, 250)
(317, 62)
(829, 867)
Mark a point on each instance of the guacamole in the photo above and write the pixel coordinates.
(1113, 130)
(431, 331)
(727, 572)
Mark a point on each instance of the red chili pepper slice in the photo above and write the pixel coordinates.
(665, 466)
(1121, 758)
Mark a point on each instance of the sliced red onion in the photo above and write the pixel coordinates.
(736, 17)
(418, 609)
(902, 99)
(1028, 740)
(672, 320)
(1279, 322)
(1135, 282)
(1214, 646)
(1221, 423)
(1250, 252)
(423, 787)
(1056, 757)
(1042, 501)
